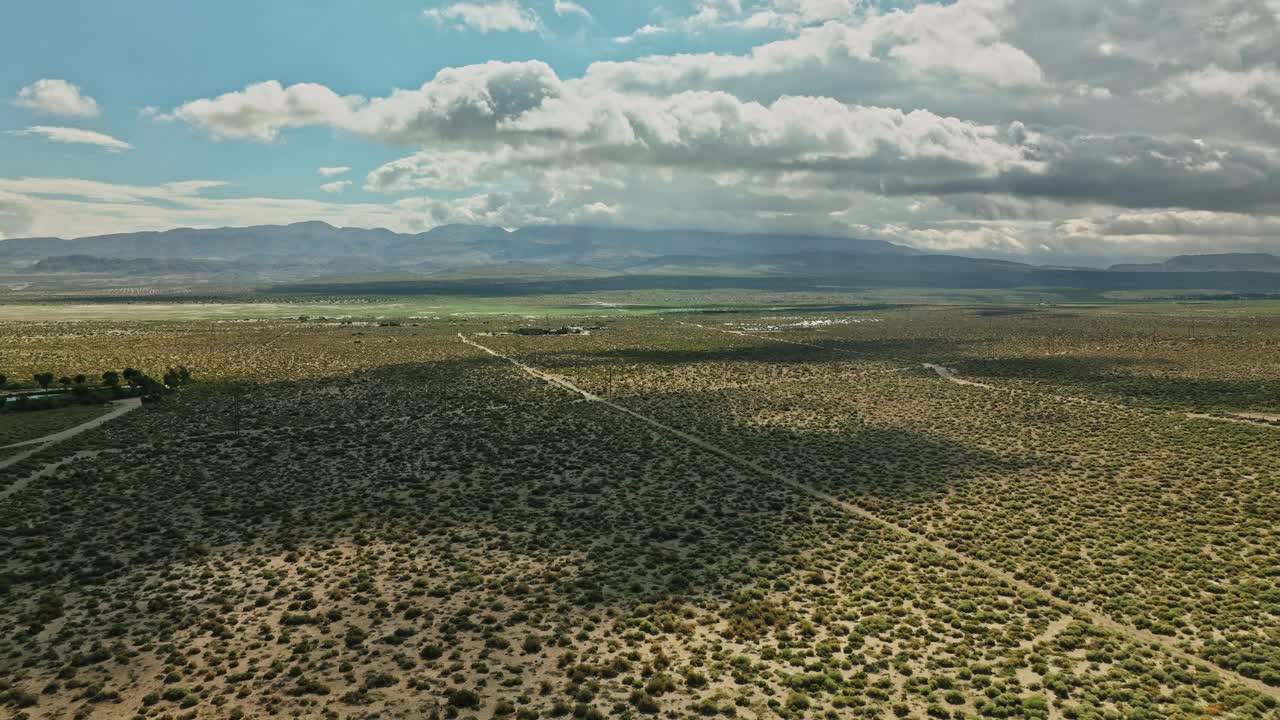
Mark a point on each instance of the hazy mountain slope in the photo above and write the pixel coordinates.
(517, 271)
(569, 258)
(1221, 262)
(815, 264)
(446, 246)
(140, 266)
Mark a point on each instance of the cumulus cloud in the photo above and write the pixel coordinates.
(1132, 172)
(965, 41)
(1004, 125)
(441, 170)
(333, 171)
(527, 110)
(336, 188)
(1256, 88)
(76, 136)
(714, 16)
(57, 97)
(500, 16)
(773, 14)
(457, 102)
(261, 110)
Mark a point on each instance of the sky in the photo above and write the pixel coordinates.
(1111, 128)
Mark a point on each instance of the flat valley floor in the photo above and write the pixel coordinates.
(923, 512)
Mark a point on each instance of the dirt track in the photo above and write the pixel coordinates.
(1096, 617)
(122, 407)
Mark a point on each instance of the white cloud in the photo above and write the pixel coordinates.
(1172, 226)
(66, 207)
(57, 97)
(335, 188)
(499, 16)
(786, 14)
(643, 31)
(457, 102)
(333, 171)
(1256, 89)
(564, 7)
(76, 136)
(527, 110)
(95, 191)
(260, 111)
(965, 40)
(450, 169)
(971, 124)
(70, 208)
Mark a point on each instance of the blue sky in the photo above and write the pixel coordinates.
(998, 126)
(157, 53)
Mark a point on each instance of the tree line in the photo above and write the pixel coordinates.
(130, 381)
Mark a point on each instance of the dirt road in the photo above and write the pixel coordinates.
(122, 407)
(1098, 618)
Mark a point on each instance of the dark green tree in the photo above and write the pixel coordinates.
(43, 379)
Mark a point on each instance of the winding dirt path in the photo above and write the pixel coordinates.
(123, 407)
(1098, 618)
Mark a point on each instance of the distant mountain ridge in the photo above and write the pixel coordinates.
(442, 248)
(1218, 262)
(315, 255)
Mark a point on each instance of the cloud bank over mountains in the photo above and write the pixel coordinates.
(1023, 127)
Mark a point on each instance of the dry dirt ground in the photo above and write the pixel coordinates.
(401, 523)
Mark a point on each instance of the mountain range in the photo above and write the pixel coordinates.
(317, 254)
(445, 247)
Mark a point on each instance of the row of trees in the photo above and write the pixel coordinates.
(173, 377)
(82, 391)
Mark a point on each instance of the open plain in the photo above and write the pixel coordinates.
(879, 512)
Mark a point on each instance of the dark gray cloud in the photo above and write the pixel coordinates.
(1131, 171)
